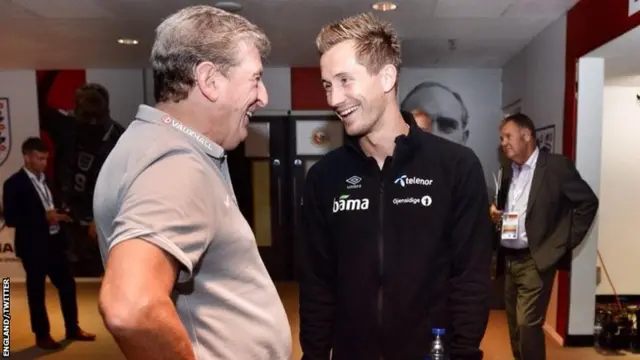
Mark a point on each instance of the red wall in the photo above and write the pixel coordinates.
(306, 89)
(590, 24)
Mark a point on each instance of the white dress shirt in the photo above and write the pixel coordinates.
(518, 198)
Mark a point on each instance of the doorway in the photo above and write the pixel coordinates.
(268, 171)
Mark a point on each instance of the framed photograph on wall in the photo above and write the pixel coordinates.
(546, 138)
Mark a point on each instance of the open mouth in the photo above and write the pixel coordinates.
(248, 114)
(344, 114)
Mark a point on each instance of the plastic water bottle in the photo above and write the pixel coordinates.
(437, 346)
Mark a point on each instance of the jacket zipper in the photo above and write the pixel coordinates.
(380, 264)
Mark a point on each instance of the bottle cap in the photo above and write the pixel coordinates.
(438, 331)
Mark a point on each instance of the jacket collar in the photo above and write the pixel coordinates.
(405, 144)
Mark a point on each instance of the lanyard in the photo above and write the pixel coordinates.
(44, 193)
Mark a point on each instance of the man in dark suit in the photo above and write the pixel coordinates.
(544, 209)
(30, 208)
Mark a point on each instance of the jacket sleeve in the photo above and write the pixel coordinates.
(584, 202)
(10, 204)
(317, 273)
(470, 282)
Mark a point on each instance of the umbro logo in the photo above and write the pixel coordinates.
(354, 182)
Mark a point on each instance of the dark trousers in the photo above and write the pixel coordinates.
(56, 266)
(527, 293)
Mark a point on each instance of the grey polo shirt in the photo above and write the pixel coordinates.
(169, 185)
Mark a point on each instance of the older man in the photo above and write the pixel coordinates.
(183, 276)
(544, 210)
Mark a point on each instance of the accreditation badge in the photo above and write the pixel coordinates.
(510, 225)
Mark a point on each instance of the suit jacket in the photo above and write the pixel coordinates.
(560, 210)
(24, 211)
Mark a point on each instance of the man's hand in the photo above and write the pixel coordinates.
(495, 214)
(63, 217)
(54, 217)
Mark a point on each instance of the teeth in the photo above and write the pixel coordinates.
(249, 113)
(348, 111)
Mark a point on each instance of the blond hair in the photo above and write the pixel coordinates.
(196, 34)
(376, 42)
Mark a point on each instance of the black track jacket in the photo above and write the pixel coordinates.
(387, 255)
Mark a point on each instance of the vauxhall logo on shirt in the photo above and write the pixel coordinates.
(180, 127)
(405, 180)
(344, 203)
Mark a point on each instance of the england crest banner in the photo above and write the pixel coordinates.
(5, 130)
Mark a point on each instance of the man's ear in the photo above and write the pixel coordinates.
(388, 76)
(207, 75)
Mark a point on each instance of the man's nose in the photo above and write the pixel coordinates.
(263, 95)
(335, 97)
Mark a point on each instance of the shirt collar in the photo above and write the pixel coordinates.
(409, 142)
(33, 176)
(149, 114)
(530, 163)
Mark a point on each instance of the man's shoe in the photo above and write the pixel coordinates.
(80, 335)
(47, 343)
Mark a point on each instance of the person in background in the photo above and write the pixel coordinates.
(95, 135)
(446, 109)
(422, 119)
(396, 241)
(183, 275)
(33, 210)
(544, 210)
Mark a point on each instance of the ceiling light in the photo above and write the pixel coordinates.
(128, 41)
(229, 6)
(384, 6)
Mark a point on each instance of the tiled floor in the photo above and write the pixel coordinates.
(495, 343)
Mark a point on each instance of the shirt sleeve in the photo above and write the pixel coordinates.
(11, 204)
(175, 204)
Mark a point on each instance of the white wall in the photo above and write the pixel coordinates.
(536, 76)
(20, 87)
(619, 195)
(277, 80)
(588, 162)
(480, 90)
(126, 91)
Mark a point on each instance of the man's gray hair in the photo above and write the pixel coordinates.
(193, 35)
